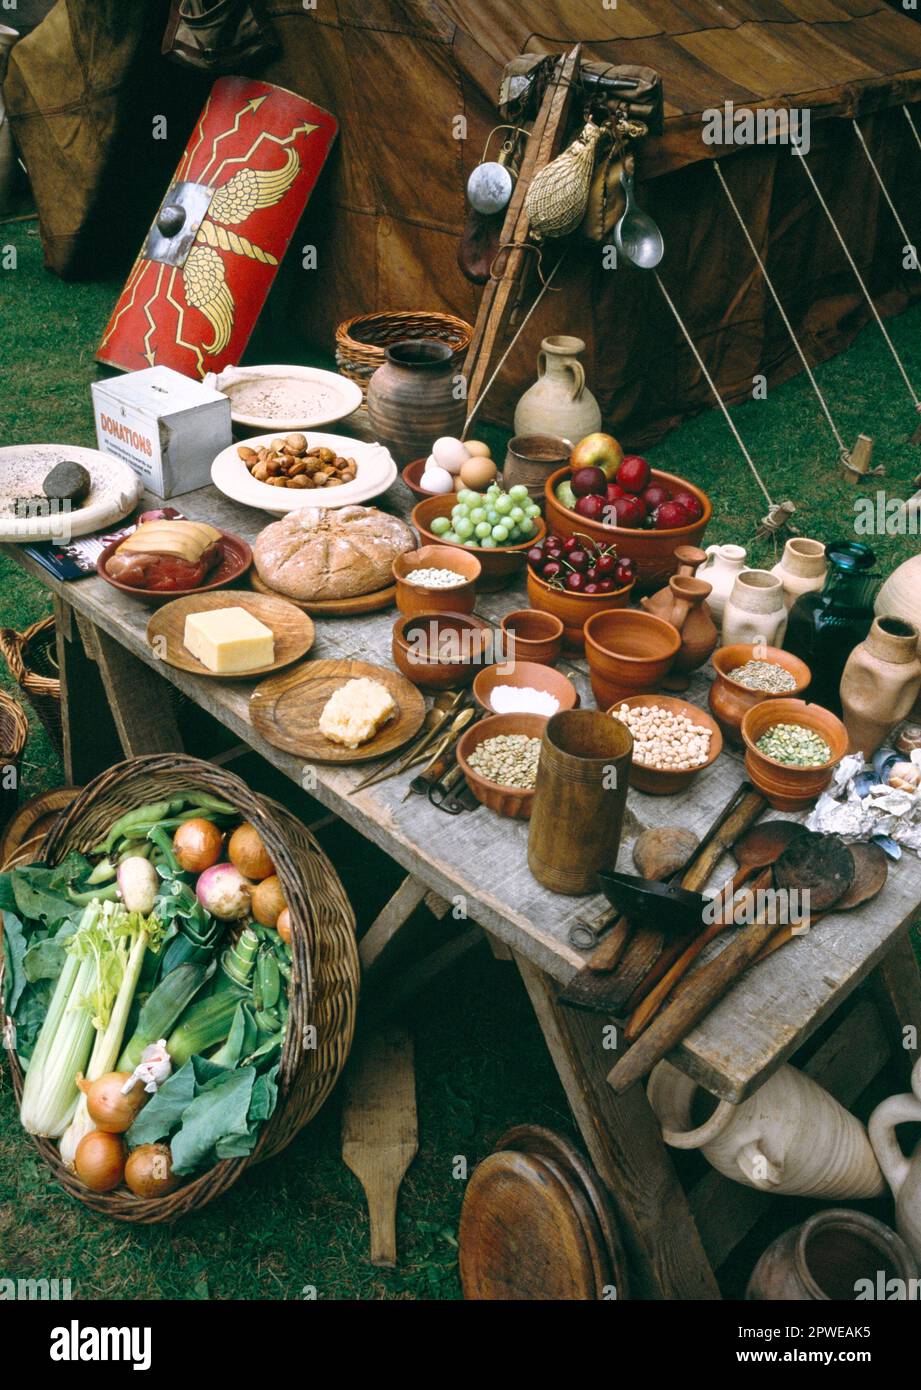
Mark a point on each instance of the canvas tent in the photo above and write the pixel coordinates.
(387, 216)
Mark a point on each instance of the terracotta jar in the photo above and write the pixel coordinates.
(412, 398)
(559, 403)
(880, 683)
(833, 1257)
(683, 603)
(723, 565)
(801, 569)
(755, 611)
(789, 1136)
(900, 597)
(902, 1174)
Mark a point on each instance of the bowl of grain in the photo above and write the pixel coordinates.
(748, 674)
(791, 751)
(673, 740)
(499, 757)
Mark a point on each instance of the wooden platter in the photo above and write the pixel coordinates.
(522, 1236)
(333, 607)
(286, 711)
(23, 836)
(294, 632)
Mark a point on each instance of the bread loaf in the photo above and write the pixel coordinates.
(325, 553)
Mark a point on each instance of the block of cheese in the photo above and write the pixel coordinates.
(229, 640)
(354, 713)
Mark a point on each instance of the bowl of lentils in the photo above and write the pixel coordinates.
(673, 740)
(747, 674)
(791, 751)
(499, 757)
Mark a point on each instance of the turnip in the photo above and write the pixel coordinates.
(224, 892)
(138, 884)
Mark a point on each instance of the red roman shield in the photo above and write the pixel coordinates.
(212, 252)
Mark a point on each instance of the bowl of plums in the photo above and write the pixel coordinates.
(574, 577)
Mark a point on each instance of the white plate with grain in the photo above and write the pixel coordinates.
(283, 398)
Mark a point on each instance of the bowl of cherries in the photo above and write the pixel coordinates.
(574, 577)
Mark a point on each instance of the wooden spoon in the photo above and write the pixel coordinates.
(871, 869)
(757, 849)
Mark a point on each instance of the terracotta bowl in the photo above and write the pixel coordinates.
(652, 551)
(730, 701)
(629, 651)
(524, 673)
(659, 781)
(417, 598)
(573, 610)
(791, 788)
(438, 650)
(505, 801)
(532, 635)
(500, 566)
(412, 477)
(235, 562)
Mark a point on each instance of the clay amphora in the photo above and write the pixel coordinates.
(880, 683)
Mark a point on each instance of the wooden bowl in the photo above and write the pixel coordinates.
(791, 788)
(573, 610)
(521, 674)
(662, 781)
(505, 801)
(532, 635)
(629, 651)
(237, 559)
(417, 598)
(500, 566)
(441, 650)
(652, 551)
(730, 701)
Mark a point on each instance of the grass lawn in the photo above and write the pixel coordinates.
(481, 1066)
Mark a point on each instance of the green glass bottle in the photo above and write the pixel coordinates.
(825, 626)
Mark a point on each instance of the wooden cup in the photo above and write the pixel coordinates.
(579, 800)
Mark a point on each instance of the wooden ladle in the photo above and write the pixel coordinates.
(758, 848)
(871, 869)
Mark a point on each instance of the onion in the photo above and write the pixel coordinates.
(100, 1160)
(283, 926)
(224, 892)
(138, 884)
(247, 852)
(149, 1171)
(197, 845)
(268, 901)
(110, 1109)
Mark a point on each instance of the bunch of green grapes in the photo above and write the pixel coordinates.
(490, 519)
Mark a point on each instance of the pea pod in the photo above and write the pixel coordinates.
(127, 824)
(269, 978)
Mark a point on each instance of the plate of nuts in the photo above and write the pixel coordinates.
(282, 472)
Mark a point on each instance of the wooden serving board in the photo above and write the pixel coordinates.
(286, 710)
(333, 607)
(293, 631)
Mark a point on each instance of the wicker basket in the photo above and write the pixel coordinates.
(324, 979)
(360, 342)
(14, 730)
(32, 659)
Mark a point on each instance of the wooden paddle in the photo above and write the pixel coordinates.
(820, 863)
(758, 848)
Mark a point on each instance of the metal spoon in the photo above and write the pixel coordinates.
(636, 236)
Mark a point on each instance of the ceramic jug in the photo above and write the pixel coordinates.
(683, 603)
(789, 1136)
(880, 683)
(755, 610)
(559, 402)
(900, 597)
(412, 398)
(722, 567)
(825, 626)
(902, 1174)
(801, 569)
(836, 1256)
(7, 151)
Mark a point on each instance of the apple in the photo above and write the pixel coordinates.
(655, 495)
(585, 481)
(691, 503)
(597, 451)
(612, 492)
(629, 511)
(592, 507)
(634, 473)
(672, 515)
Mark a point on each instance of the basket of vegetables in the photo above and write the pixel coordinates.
(179, 980)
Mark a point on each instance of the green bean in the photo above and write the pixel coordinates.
(269, 978)
(142, 815)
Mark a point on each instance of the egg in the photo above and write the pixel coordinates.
(450, 453)
(477, 449)
(478, 473)
(459, 484)
(437, 480)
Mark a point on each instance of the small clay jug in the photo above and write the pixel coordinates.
(412, 398)
(801, 569)
(835, 1256)
(683, 604)
(690, 558)
(559, 403)
(880, 683)
(720, 569)
(755, 611)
